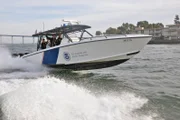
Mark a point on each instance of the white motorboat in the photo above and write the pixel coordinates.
(84, 53)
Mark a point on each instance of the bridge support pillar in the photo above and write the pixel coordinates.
(12, 40)
(0, 39)
(33, 40)
(23, 39)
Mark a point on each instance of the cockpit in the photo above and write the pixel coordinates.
(46, 41)
(58, 35)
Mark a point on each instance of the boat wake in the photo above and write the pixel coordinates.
(49, 98)
(7, 62)
(11, 67)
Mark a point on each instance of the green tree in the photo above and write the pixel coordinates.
(98, 33)
(155, 25)
(111, 31)
(118, 31)
(132, 27)
(150, 26)
(159, 25)
(121, 30)
(176, 20)
(144, 24)
(126, 28)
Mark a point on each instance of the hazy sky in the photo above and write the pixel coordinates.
(25, 16)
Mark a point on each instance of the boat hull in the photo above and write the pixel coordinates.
(90, 54)
(89, 66)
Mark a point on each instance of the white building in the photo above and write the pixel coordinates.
(170, 32)
(155, 32)
(173, 32)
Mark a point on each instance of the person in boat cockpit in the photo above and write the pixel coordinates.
(58, 40)
(52, 40)
(43, 44)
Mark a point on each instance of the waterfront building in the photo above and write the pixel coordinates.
(170, 32)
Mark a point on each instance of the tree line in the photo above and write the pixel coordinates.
(127, 28)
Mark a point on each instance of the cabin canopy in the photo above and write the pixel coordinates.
(63, 30)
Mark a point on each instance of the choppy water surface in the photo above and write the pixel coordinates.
(145, 88)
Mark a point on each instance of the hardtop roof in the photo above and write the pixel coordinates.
(63, 30)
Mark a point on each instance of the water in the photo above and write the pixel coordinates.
(145, 88)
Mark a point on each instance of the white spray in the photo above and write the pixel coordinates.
(51, 99)
(17, 67)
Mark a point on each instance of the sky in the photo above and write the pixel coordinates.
(26, 16)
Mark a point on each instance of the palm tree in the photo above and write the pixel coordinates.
(176, 20)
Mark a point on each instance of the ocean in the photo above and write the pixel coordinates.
(146, 87)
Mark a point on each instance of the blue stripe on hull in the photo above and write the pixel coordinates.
(50, 57)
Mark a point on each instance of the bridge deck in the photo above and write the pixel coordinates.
(4, 38)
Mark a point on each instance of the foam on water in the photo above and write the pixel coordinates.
(49, 98)
(11, 85)
(17, 67)
(8, 62)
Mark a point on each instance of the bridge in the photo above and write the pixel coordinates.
(4, 38)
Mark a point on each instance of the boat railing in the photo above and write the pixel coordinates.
(103, 35)
(114, 35)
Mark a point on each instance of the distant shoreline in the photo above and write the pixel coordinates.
(160, 41)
